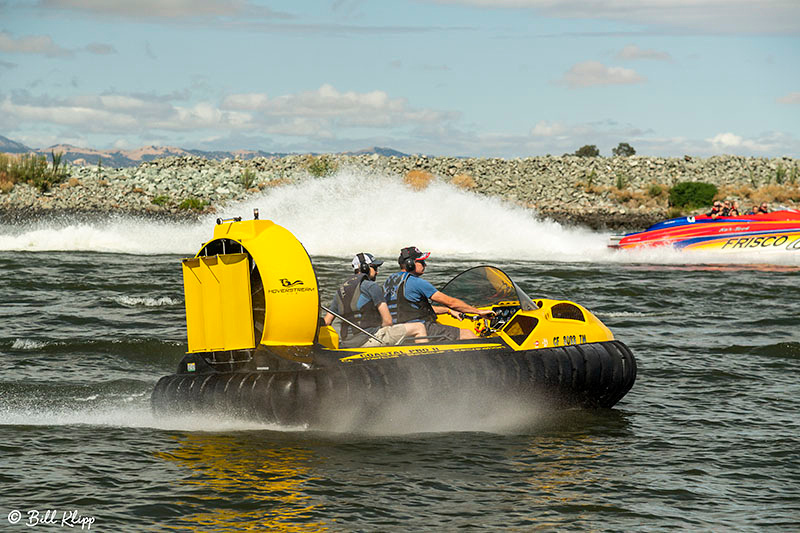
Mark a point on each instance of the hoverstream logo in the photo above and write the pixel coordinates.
(293, 287)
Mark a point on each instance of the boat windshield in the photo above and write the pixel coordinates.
(485, 286)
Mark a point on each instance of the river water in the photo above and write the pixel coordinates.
(92, 316)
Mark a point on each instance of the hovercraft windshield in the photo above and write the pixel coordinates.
(485, 286)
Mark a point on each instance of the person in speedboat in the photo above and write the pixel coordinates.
(360, 300)
(716, 210)
(409, 298)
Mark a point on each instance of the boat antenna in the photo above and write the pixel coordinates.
(343, 319)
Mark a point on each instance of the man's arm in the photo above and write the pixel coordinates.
(456, 304)
(328, 319)
(386, 316)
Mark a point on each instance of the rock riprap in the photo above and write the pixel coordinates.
(594, 191)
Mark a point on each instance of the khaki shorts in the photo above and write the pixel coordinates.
(390, 335)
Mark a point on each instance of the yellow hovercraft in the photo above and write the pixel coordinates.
(259, 350)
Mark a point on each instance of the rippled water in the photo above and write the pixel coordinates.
(706, 440)
(92, 316)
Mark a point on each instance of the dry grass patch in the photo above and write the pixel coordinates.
(464, 181)
(278, 182)
(772, 193)
(592, 189)
(418, 179)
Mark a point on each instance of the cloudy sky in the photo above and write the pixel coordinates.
(504, 78)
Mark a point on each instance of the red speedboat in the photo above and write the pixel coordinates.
(766, 232)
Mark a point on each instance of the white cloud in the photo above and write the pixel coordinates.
(65, 114)
(324, 113)
(32, 44)
(44, 45)
(100, 49)
(593, 73)
(327, 105)
(121, 114)
(791, 98)
(164, 9)
(706, 16)
(731, 143)
(544, 128)
(632, 51)
(246, 101)
(327, 119)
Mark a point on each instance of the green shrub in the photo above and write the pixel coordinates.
(622, 180)
(655, 190)
(780, 175)
(591, 178)
(692, 194)
(34, 170)
(588, 150)
(195, 204)
(161, 199)
(247, 179)
(623, 150)
(321, 166)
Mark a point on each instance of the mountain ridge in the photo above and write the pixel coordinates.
(118, 158)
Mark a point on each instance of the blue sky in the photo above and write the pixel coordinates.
(503, 78)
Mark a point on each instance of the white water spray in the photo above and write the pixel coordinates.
(352, 212)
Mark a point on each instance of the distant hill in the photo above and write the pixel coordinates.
(7, 146)
(131, 158)
(388, 152)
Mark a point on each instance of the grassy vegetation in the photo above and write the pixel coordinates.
(247, 179)
(194, 204)
(655, 190)
(32, 169)
(161, 200)
(321, 166)
(780, 174)
(591, 178)
(772, 194)
(657, 195)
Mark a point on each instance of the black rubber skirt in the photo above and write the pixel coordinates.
(595, 375)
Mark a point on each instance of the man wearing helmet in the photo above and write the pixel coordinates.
(360, 300)
(409, 298)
